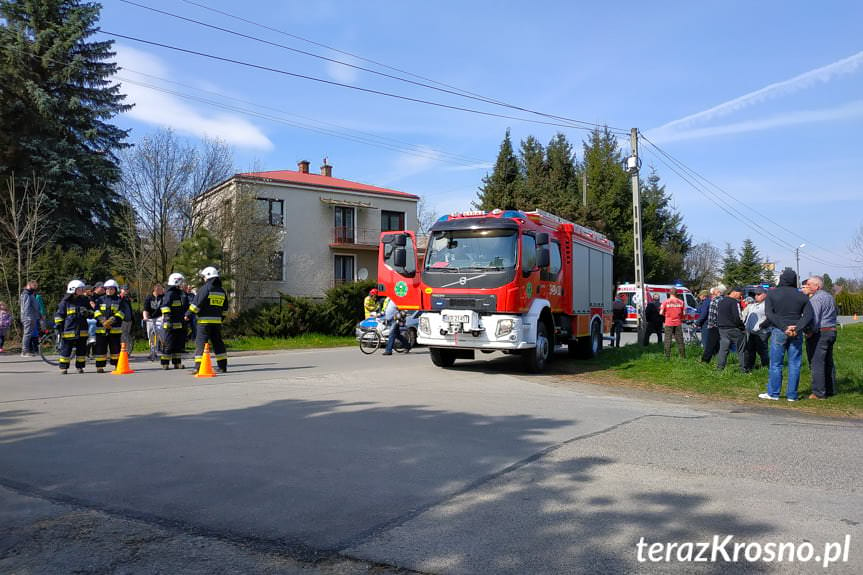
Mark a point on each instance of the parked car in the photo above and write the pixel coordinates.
(409, 330)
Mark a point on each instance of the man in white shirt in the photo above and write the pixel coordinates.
(757, 334)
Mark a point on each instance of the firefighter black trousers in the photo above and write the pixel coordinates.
(104, 343)
(73, 344)
(211, 332)
(175, 345)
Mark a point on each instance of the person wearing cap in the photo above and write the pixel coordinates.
(673, 310)
(730, 324)
(653, 320)
(98, 292)
(820, 338)
(757, 331)
(71, 321)
(370, 303)
(110, 313)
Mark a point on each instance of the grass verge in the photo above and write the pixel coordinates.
(305, 341)
(647, 368)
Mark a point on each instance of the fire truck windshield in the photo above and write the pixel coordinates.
(472, 250)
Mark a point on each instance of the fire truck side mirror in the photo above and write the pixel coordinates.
(543, 256)
(401, 240)
(542, 239)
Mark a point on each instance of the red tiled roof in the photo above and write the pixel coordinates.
(324, 181)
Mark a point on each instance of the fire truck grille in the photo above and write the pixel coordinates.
(482, 304)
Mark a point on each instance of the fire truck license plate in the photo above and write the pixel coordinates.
(456, 319)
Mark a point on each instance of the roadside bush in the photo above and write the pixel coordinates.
(293, 316)
(849, 303)
(343, 307)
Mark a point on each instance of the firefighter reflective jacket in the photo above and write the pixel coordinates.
(112, 310)
(211, 303)
(71, 316)
(174, 304)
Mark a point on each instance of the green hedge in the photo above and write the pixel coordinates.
(849, 303)
(293, 316)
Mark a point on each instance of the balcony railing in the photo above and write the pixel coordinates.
(351, 235)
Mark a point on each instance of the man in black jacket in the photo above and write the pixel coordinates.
(730, 326)
(618, 319)
(789, 313)
(653, 321)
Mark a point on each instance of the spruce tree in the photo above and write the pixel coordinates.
(499, 189)
(56, 102)
(532, 190)
(729, 267)
(750, 268)
(609, 199)
(666, 241)
(562, 197)
(828, 283)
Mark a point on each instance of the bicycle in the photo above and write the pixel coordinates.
(155, 338)
(372, 339)
(49, 347)
(691, 333)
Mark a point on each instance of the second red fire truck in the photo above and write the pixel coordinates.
(511, 281)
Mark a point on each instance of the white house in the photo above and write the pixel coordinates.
(330, 226)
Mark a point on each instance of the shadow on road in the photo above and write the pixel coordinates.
(310, 478)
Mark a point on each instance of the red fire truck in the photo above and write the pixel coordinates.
(511, 281)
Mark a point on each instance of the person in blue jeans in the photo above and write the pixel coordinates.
(789, 313)
(391, 315)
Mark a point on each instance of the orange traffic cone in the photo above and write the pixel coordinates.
(206, 367)
(123, 362)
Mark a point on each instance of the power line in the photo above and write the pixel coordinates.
(731, 210)
(334, 83)
(448, 88)
(761, 214)
(412, 149)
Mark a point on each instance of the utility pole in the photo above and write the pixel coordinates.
(797, 255)
(632, 164)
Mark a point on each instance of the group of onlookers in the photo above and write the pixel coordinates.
(770, 325)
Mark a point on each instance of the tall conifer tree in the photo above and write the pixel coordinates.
(499, 189)
(56, 102)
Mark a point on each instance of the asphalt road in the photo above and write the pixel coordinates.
(333, 462)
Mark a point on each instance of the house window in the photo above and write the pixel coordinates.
(343, 270)
(392, 221)
(271, 211)
(276, 268)
(344, 225)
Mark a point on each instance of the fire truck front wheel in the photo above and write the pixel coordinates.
(536, 359)
(442, 357)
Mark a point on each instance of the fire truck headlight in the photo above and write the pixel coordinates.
(424, 326)
(504, 326)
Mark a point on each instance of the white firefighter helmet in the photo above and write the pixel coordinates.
(73, 285)
(110, 284)
(209, 272)
(176, 279)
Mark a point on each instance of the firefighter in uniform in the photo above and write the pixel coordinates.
(210, 306)
(110, 313)
(370, 303)
(174, 305)
(71, 321)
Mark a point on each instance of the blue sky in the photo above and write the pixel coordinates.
(763, 99)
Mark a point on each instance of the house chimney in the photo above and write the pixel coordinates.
(326, 169)
(303, 166)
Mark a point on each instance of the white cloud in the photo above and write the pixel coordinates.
(162, 109)
(340, 72)
(822, 75)
(471, 167)
(411, 164)
(844, 112)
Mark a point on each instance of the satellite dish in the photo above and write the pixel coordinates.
(363, 274)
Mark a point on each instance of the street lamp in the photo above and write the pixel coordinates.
(797, 255)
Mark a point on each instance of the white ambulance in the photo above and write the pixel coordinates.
(631, 298)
